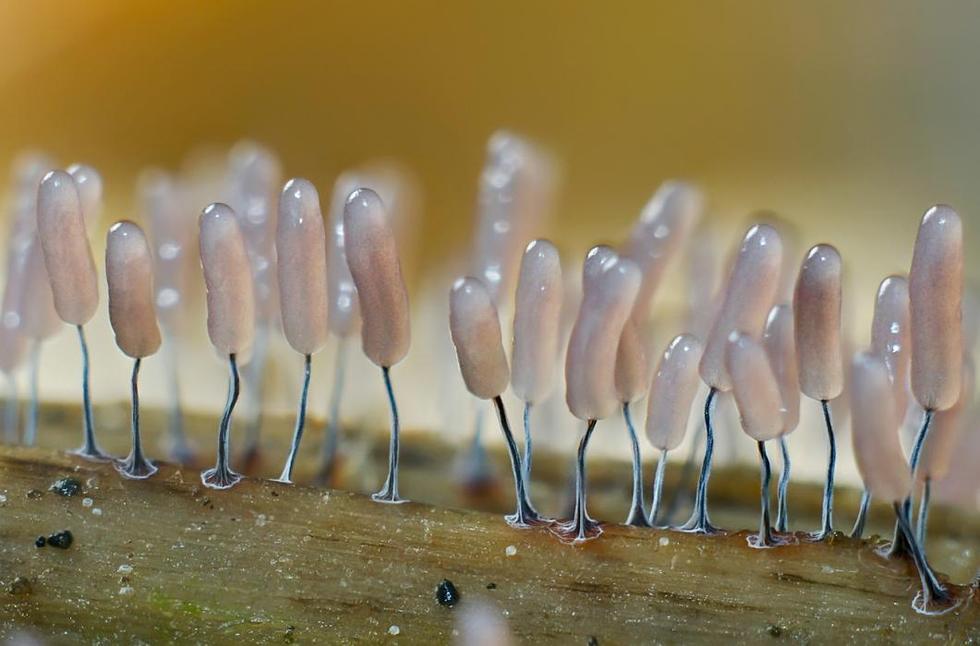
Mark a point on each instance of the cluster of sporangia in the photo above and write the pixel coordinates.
(767, 355)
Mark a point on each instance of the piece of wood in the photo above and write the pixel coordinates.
(168, 560)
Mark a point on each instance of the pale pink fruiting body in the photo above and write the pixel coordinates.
(877, 448)
(780, 344)
(301, 249)
(475, 329)
(760, 404)
(372, 257)
(947, 426)
(88, 181)
(664, 226)
(129, 274)
(343, 314)
(610, 287)
(537, 314)
(817, 322)
(67, 254)
(171, 229)
(890, 336)
(672, 392)
(749, 294)
(935, 295)
(631, 364)
(255, 178)
(228, 280)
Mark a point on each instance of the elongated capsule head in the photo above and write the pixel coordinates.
(631, 364)
(780, 344)
(13, 336)
(301, 247)
(129, 273)
(537, 321)
(38, 317)
(590, 362)
(760, 405)
(343, 313)
(88, 181)
(228, 280)
(890, 336)
(874, 428)
(475, 328)
(935, 295)
(947, 426)
(171, 231)
(672, 392)
(664, 226)
(67, 254)
(372, 257)
(817, 317)
(749, 294)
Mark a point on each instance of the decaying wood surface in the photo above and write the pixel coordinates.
(166, 559)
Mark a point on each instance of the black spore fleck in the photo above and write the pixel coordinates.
(66, 487)
(774, 630)
(34, 494)
(491, 586)
(40, 541)
(447, 594)
(61, 540)
(593, 641)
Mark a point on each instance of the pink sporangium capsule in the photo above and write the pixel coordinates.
(935, 295)
(537, 315)
(475, 329)
(754, 386)
(672, 392)
(129, 274)
(817, 321)
(228, 280)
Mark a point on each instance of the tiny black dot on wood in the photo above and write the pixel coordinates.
(491, 586)
(447, 594)
(66, 487)
(774, 630)
(593, 641)
(61, 540)
(40, 541)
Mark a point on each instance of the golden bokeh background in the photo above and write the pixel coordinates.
(847, 118)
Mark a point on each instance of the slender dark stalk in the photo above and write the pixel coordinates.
(658, 487)
(581, 527)
(89, 449)
(764, 539)
(136, 466)
(525, 515)
(827, 517)
(862, 517)
(782, 507)
(700, 523)
(331, 440)
(637, 516)
(932, 589)
(33, 406)
(527, 442)
(389, 493)
(221, 476)
(923, 520)
(899, 546)
(287, 471)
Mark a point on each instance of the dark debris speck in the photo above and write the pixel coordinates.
(447, 594)
(66, 487)
(40, 541)
(61, 540)
(774, 630)
(20, 585)
(593, 641)
(34, 494)
(491, 586)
